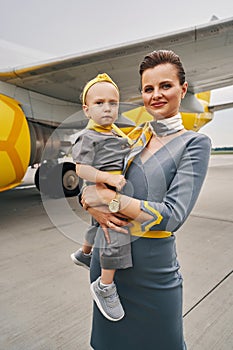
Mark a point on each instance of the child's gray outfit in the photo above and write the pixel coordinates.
(105, 152)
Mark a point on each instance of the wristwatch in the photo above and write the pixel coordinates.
(114, 205)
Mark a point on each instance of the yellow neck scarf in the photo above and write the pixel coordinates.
(99, 128)
(108, 128)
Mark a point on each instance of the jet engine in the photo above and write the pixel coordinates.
(24, 143)
(15, 144)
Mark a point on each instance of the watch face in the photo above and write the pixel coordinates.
(114, 206)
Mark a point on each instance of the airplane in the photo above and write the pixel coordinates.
(40, 109)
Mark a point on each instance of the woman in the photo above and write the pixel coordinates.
(166, 177)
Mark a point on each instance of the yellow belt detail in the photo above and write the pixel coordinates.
(135, 230)
(115, 172)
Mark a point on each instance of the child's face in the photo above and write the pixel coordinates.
(102, 103)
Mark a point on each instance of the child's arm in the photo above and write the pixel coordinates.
(89, 173)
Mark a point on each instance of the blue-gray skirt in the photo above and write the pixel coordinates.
(151, 294)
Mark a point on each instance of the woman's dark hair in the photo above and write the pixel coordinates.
(162, 57)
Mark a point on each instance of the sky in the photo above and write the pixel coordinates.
(61, 27)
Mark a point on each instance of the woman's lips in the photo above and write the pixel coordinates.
(158, 104)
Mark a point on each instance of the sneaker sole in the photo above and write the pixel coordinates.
(100, 307)
(79, 263)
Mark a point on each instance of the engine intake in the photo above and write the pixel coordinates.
(15, 145)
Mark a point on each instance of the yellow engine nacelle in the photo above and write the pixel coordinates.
(15, 145)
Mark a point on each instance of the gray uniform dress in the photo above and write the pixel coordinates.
(151, 291)
(105, 152)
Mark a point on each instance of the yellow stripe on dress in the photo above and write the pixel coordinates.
(136, 230)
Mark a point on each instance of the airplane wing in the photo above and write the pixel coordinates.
(206, 52)
(35, 99)
(220, 107)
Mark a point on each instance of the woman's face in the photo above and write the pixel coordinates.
(161, 91)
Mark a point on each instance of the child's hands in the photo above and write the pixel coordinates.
(117, 181)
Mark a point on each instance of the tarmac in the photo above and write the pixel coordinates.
(45, 302)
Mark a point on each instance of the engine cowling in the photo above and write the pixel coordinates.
(15, 144)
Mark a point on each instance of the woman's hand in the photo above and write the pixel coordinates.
(95, 199)
(93, 196)
(108, 220)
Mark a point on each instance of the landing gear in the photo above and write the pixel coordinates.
(58, 180)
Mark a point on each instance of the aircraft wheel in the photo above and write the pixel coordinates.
(65, 181)
(70, 180)
(41, 177)
(36, 179)
(57, 180)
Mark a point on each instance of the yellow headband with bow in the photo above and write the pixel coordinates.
(99, 78)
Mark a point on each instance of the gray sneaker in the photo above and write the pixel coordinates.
(81, 259)
(108, 301)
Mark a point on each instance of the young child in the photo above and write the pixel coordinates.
(99, 154)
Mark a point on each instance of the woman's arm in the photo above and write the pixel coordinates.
(93, 199)
(179, 199)
(98, 195)
(183, 191)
